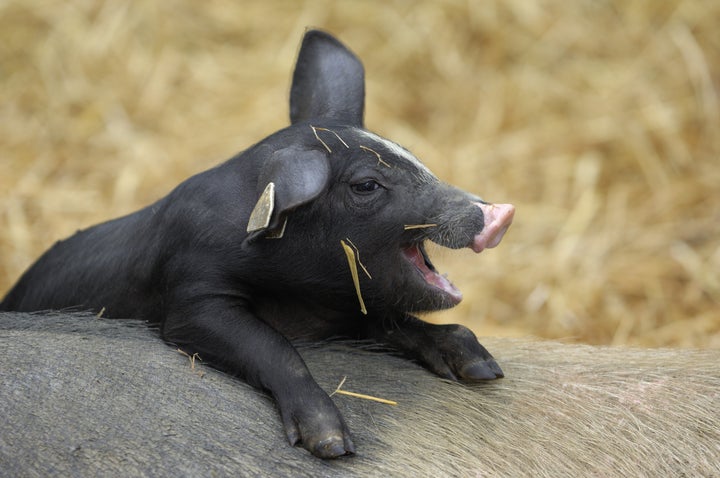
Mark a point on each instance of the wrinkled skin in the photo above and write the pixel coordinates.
(238, 298)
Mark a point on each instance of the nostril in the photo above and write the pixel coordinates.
(498, 218)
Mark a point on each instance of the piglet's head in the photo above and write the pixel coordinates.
(349, 212)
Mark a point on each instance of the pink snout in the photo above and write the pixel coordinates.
(498, 218)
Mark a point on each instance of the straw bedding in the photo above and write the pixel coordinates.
(599, 120)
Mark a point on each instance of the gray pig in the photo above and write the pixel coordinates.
(315, 232)
(96, 397)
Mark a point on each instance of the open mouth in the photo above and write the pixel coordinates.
(497, 219)
(417, 255)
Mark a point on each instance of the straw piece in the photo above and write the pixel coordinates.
(350, 254)
(316, 129)
(320, 139)
(357, 256)
(409, 227)
(361, 395)
(379, 158)
(192, 359)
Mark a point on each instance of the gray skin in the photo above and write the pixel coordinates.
(83, 396)
(203, 265)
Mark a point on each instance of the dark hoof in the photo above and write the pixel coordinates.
(312, 421)
(487, 370)
(333, 447)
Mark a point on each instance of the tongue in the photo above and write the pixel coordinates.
(498, 218)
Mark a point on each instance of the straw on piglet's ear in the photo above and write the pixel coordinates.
(291, 177)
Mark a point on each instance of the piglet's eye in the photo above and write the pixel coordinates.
(366, 187)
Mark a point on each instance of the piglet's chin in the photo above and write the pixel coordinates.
(498, 218)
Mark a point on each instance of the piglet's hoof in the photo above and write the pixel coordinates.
(453, 352)
(484, 370)
(318, 427)
(332, 444)
(333, 447)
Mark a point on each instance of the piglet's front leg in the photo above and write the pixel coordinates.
(227, 335)
(451, 351)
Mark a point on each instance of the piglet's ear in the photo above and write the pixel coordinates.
(289, 178)
(328, 83)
